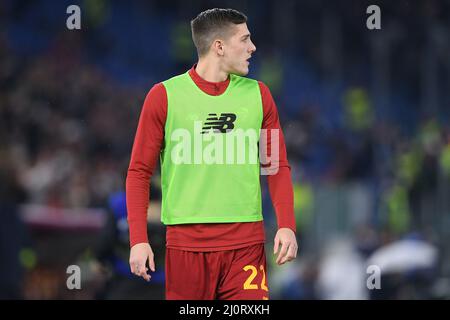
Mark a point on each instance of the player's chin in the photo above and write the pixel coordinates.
(243, 70)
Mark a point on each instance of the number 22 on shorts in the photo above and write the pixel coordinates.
(248, 285)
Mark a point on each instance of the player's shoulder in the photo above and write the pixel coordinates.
(175, 79)
(246, 81)
(263, 86)
(156, 90)
(253, 81)
(238, 78)
(161, 88)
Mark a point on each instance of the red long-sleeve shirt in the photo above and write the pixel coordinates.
(200, 237)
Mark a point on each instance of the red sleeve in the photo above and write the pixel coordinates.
(280, 184)
(144, 157)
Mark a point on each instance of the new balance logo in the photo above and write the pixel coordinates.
(222, 124)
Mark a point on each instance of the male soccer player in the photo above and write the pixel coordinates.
(211, 206)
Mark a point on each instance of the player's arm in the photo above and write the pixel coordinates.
(144, 156)
(280, 183)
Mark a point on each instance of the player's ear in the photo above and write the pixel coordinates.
(217, 47)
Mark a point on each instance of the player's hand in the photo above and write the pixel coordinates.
(285, 239)
(139, 255)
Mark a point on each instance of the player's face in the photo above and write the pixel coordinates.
(238, 50)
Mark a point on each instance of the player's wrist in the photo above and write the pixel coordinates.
(288, 227)
(135, 243)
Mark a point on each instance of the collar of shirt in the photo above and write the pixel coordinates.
(212, 88)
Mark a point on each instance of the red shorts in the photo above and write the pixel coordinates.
(238, 274)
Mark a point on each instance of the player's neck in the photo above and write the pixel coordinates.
(210, 71)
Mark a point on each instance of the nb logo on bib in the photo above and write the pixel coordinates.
(223, 123)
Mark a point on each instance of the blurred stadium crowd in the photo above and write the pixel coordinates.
(365, 116)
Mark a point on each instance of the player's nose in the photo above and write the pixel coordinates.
(252, 47)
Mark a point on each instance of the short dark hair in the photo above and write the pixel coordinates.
(212, 23)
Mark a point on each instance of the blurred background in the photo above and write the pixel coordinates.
(365, 115)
